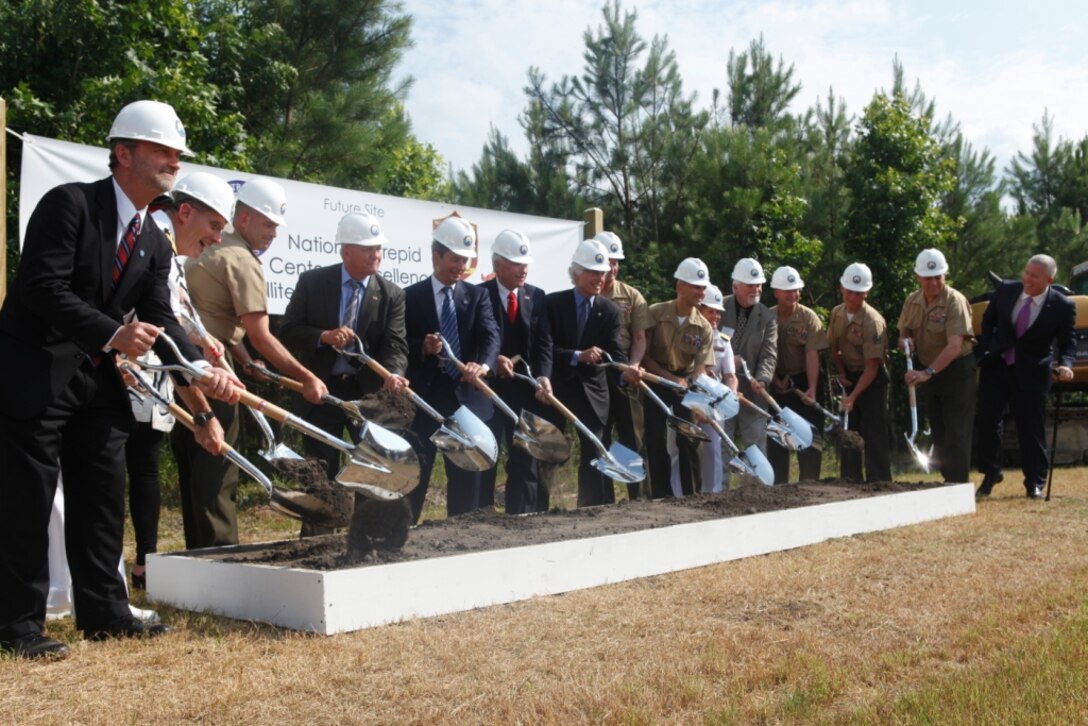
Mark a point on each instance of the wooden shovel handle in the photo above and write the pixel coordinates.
(478, 381)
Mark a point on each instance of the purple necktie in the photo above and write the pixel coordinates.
(1023, 318)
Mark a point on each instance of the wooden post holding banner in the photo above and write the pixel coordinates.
(594, 218)
(3, 200)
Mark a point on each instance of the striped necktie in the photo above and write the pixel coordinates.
(125, 248)
(449, 331)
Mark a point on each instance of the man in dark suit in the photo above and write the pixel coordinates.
(1024, 324)
(523, 327)
(585, 325)
(461, 312)
(91, 255)
(329, 307)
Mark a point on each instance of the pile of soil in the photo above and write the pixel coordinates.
(851, 440)
(310, 476)
(392, 410)
(378, 525)
(488, 530)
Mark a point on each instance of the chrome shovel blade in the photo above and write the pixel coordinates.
(541, 438)
(621, 464)
(467, 441)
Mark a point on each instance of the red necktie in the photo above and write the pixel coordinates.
(512, 306)
(124, 249)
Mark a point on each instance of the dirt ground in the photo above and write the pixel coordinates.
(488, 530)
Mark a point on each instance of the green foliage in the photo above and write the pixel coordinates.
(1050, 187)
(897, 177)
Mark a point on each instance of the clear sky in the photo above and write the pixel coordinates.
(994, 66)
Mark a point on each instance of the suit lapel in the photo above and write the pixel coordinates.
(372, 300)
(106, 213)
(525, 311)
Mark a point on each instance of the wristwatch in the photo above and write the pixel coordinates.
(930, 372)
(201, 419)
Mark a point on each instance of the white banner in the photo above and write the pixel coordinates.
(306, 240)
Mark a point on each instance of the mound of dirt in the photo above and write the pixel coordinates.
(394, 411)
(310, 477)
(489, 530)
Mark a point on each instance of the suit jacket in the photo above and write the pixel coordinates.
(532, 319)
(63, 305)
(479, 340)
(1035, 349)
(315, 307)
(602, 330)
(758, 343)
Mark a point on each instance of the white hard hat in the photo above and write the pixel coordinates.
(592, 255)
(359, 228)
(786, 278)
(152, 121)
(930, 263)
(457, 234)
(266, 197)
(713, 298)
(612, 243)
(208, 189)
(857, 277)
(748, 271)
(513, 246)
(693, 271)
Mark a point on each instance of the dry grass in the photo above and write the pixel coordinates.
(978, 619)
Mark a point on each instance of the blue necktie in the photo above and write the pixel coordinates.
(583, 315)
(449, 332)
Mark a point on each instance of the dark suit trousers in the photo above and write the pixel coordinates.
(998, 387)
(524, 491)
(208, 484)
(808, 460)
(144, 500)
(593, 487)
(949, 403)
(81, 433)
(626, 423)
(870, 419)
(462, 487)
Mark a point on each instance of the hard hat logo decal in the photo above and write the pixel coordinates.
(857, 279)
(374, 230)
(614, 248)
(754, 272)
(791, 278)
(599, 257)
(179, 127)
(283, 208)
(524, 249)
(931, 265)
(700, 274)
(467, 241)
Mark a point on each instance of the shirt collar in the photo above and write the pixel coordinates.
(503, 292)
(1039, 299)
(344, 277)
(437, 286)
(167, 226)
(579, 297)
(126, 210)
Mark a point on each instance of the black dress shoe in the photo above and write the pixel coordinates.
(128, 627)
(1035, 491)
(988, 483)
(35, 646)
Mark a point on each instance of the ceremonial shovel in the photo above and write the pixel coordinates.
(462, 437)
(291, 503)
(789, 429)
(618, 463)
(541, 438)
(922, 457)
(379, 445)
(363, 473)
